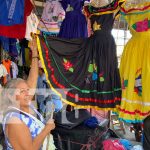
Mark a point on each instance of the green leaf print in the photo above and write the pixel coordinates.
(102, 79)
(91, 68)
(71, 69)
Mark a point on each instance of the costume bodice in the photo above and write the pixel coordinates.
(138, 18)
(102, 18)
(102, 23)
(73, 5)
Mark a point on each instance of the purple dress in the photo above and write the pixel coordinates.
(74, 25)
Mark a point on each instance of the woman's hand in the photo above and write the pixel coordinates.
(50, 125)
(33, 47)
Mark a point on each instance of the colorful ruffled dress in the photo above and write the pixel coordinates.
(85, 71)
(135, 65)
(52, 17)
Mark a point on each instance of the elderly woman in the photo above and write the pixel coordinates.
(23, 126)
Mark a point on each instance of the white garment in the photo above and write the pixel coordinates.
(52, 17)
(137, 147)
(3, 71)
(14, 70)
(32, 23)
(1, 147)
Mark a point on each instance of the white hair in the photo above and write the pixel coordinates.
(7, 90)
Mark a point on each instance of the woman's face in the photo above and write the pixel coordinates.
(22, 94)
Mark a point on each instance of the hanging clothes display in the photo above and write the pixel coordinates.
(31, 27)
(16, 30)
(9, 45)
(74, 25)
(135, 65)
(7, 64)
(52, 17)
(11, 12)
(14, 70)
(85, 70)
(3, 71)
(3, 74)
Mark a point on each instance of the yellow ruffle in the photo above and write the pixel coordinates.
(142, 6)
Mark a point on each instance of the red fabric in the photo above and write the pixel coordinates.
(112, 145)
(17, 31)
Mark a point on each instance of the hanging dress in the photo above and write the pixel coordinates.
(135, 65)
(14, 30)
(84, 71)
(11, 12)
(74, 25)
(52, 17)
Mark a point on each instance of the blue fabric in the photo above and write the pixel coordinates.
(11, 12)
(13, 51)
(74, 25)
(126, 143)
(57, 102)
(9, 45)
(23, 55)
(5, 43)
(41, 93)
(45, 99)
(92, 122)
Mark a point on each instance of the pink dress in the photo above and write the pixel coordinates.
(52, 17)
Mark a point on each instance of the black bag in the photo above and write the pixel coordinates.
(71, 119)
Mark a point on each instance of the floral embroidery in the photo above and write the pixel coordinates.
(138, 83)
(92, 69)
(94, 76)
(68, 65)
(101, 76)
(69, 8)
(141, 25)
(96, 26)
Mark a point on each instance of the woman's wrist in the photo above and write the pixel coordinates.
(35, 57)
(48, 129)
